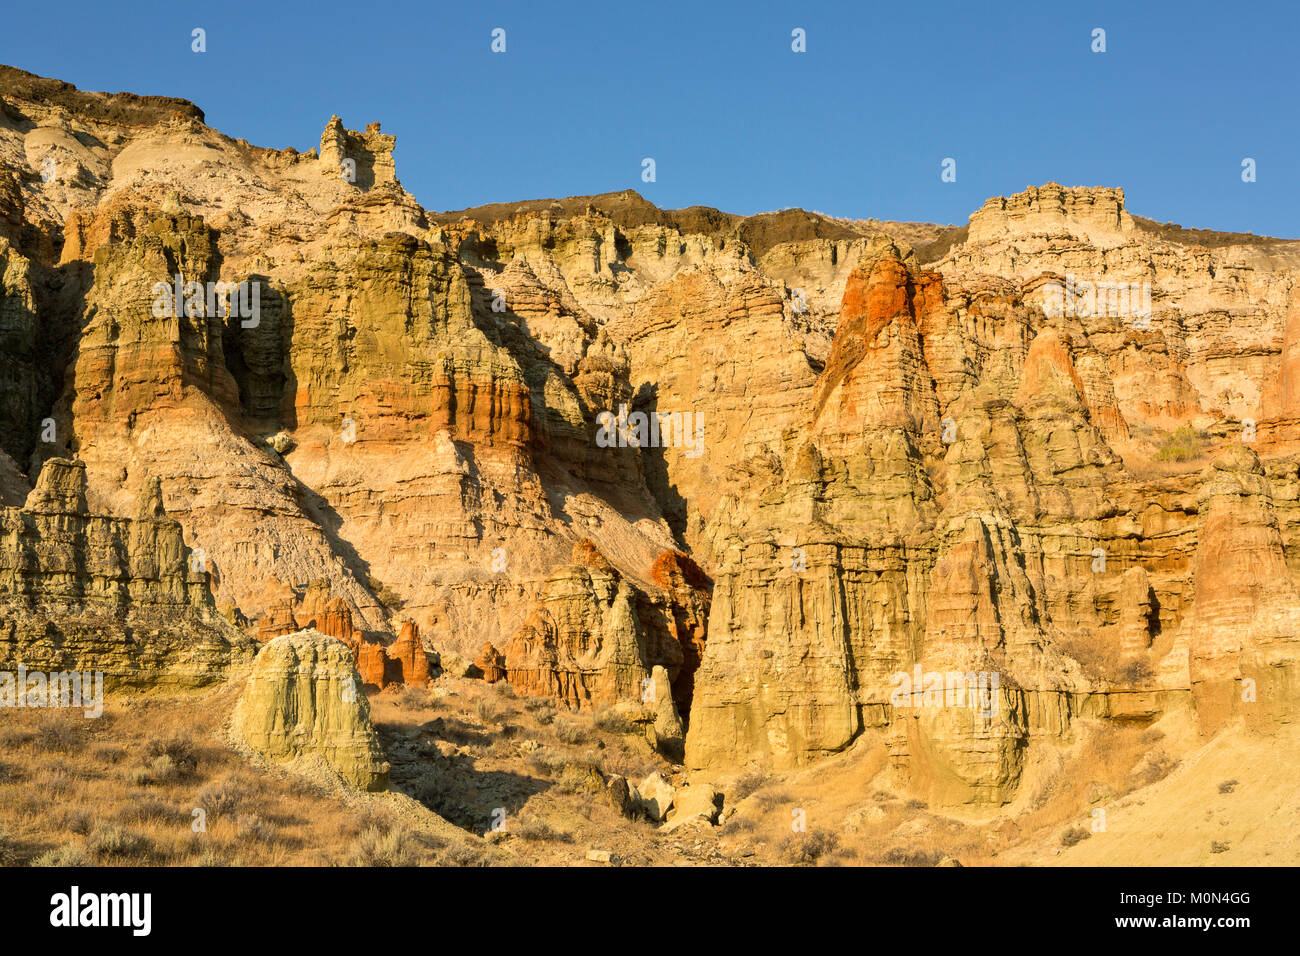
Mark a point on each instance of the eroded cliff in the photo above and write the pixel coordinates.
(802, 464)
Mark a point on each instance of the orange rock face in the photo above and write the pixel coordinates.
(278, 620)
(372, 664)
(588, 555)
(874, 375)
(336, 621)
(491, 663)
(408, 655)
(582, 643)
(402, 662)
(689, 595)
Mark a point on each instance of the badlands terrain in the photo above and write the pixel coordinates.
(585, 532)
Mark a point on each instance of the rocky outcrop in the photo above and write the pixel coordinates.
(1095, 214)
(654, 796)
(303, 706)
(149, 393)
(365, 159)
(279, 619)
(666, 733)
(1279, 425)
(410, 662)
(404, 661)
(491, 663)
(594, 639)
(925, 525)
(581, 643)
(125, 596)
(698, 804)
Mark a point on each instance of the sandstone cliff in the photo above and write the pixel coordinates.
(802, 464)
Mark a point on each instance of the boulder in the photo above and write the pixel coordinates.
(655, 796)
(700, 803)
(620, 795)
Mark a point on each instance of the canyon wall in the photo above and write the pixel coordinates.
(800, 464)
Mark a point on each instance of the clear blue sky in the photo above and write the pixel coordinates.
(856, 126)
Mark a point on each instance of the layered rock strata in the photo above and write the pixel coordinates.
(802, 464)
(89, 592)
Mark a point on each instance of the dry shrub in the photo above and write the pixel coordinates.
(77, 821)
(224, 796)
(462, 854)
(752, 780)
(568, 732)
(1154, 768)
(8, 848)
(538, 830)
(1099, 659)
(57, 737)
(581, 776)
(394, 846)
(67, 855)
(1183, 444)
(770, 796)
(411, 698)
(737, 824)
(546, 761)
(177, 752)
(1135, 672)
(611, 721)
(108, 753)
(16, 737)
(146, 809)
(805, 849)
(255, 827)
(1074, 835)
(108, 841)
(912, 856)
(209, 857)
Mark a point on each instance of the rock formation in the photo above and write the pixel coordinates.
(792, 466)
(405, 661)
(365, 159)
(688, 594)
(491, 663)
(1243, 632)
(953, 507)
(410, 662)
(303, 706)
(582, 642)
(90, 592)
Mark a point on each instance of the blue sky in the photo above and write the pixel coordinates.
(856, 126)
